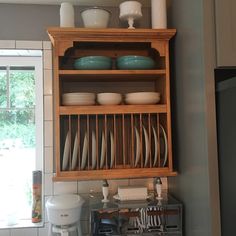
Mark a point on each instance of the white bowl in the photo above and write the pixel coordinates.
(95, 17)
(142, 98)
(109, 98)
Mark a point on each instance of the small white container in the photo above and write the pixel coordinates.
(67, 15)
(159, 14)
(95, 17)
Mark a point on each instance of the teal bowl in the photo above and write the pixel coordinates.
(93, 63)
(135, 63)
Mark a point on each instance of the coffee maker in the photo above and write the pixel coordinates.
(64, 215)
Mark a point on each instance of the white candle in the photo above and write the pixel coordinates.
(67, 15)
(159, 15)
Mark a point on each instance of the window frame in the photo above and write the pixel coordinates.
(37, 63)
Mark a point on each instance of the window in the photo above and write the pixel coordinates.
(21, 131)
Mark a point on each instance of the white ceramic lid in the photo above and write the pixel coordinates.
(62, 202)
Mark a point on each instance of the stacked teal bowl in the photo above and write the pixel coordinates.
(93, 63)
(133, 62)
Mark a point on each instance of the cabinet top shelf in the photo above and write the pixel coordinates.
(109, 34)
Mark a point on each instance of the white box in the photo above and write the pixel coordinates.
(132, 193)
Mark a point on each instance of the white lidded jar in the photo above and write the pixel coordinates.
(67, 18)
(159, 14)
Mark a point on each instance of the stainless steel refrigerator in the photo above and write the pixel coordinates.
(226, 137)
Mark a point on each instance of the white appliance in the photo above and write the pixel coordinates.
(64, 215)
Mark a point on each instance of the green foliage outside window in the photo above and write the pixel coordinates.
(17, 108)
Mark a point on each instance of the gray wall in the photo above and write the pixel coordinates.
(194, 116)
(30, 22)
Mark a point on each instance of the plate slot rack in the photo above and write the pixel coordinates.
(113, 141)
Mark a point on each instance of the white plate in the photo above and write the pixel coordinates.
(155, 146)
(112, 149)
(85, 151)
(103, 151)
(147, 147)
(94, 151)
(138, 150)
(164, 136)
(75, 153)
(66, 153)
(78, 102)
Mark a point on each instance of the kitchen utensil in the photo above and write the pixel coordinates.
(64, 213)
(109, 98)
(93, 63)
(164, 148)
(85, 151)
(66, 153)
(138, 147)
(94, 151)
(75, 153)
(103, 151)
(142, 98)
(95, 17)
(133, 62)
(71, 99)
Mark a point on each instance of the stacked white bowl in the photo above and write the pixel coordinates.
(142, 98)
(73, 99)
(109, 98)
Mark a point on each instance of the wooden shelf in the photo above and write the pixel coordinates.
(109, 75)
(113, 174)
(112, 73)
(118, 109)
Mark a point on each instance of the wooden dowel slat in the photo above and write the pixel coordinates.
(97, 135)
(88, 138)
(124, 137)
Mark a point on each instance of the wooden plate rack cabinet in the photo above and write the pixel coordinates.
(112, 141)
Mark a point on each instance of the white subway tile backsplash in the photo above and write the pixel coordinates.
(7, 44)
(24, 232)
(147, 182)
(89, 186)
(48, 159)
(48, 133)
(47, 82)
(4, 232)
(47, 59)
(29, 44)
(45, 212)
(47, 45)
(44, 230)
(64, 187)
(48, 184)
(114, 184)
(48, 108)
